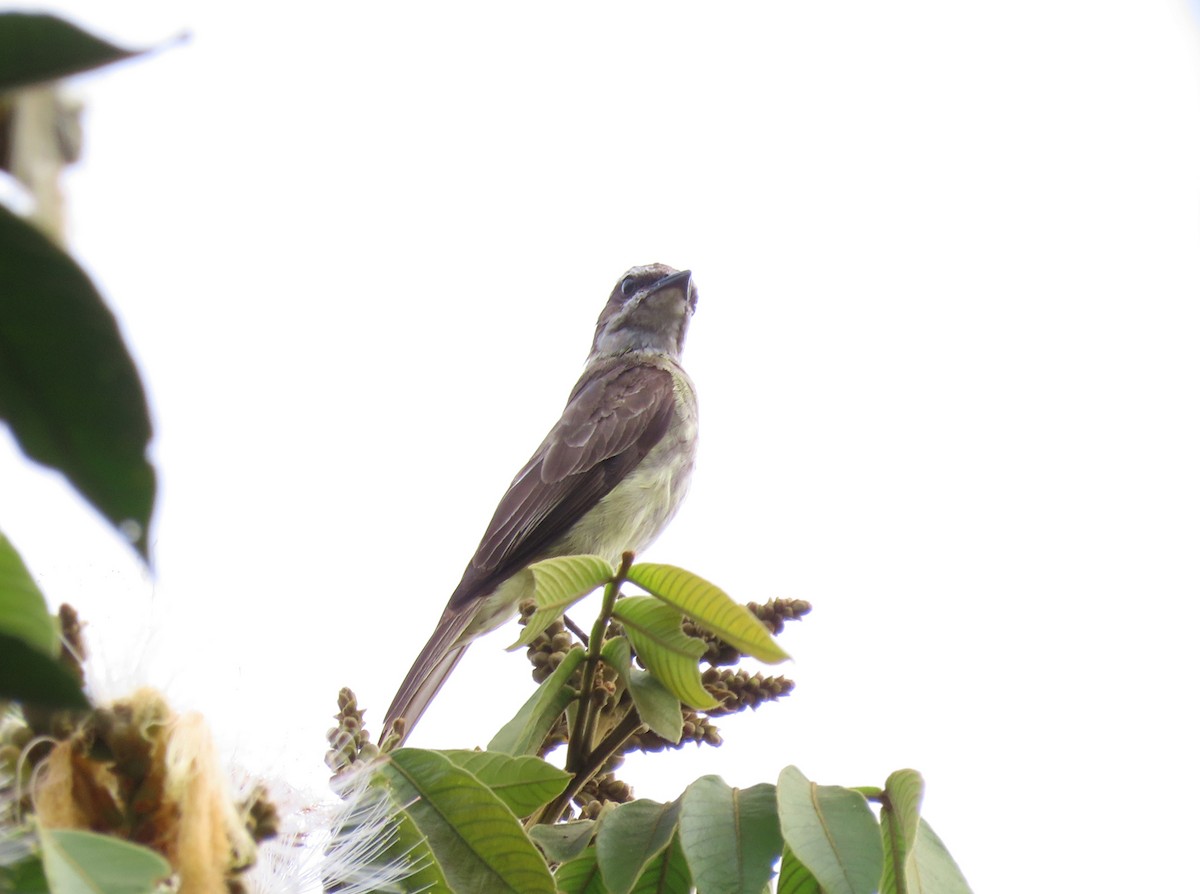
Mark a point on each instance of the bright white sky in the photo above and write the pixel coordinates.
(949, 267)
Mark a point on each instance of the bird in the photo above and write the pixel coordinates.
(607, 479)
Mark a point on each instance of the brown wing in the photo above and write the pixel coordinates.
(613, 419)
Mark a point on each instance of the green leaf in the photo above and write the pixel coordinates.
(525, 733)
(630, 837)
(561, 842)
(898, 820)
(33, 677)
(794, 877)
(667, 873)
(730, 836)
(671, 655)
(474, 838)
(935, 871)
(68, 387)
(523, 783)
(23, 613)
(580, 876)
(655, 705)
(833, 832)
(711, 608)
(86, 863)
(557, 585)
(36, 48)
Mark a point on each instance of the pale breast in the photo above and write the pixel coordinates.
(635, 512)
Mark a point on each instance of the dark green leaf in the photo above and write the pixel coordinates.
(557, 585)
(655, 630)
(26, 876)
(730, 836)
(898, 820)
(561, 842)
(475, 839)
(935, 871)
(35, 48)
(794, 877)
(667, 873)
(630, 837)
(833, 832)
(78, 862)
(23, 613)
(656, 706)
(68, 387)
(35, 678)
(525, 733)
(711, 608)
(523, 783)
(580, 876)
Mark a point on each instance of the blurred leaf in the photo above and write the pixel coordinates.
(563, 841)
(86, 863)
(35, 678)
(558, 584)
(654, 628)
(36, 48)
(26, 876)
(525, 733)
(655, 705)
(523, 783)
(711, 608)
(68, 387)
(630, 837)
(935, 871)
(833, 832)
(474, 838)
(898, 820)
(667, 873)
(580, 876)
(23, 613)
(794, 877)
(730, 836)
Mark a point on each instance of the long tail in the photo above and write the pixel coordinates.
(429, 671)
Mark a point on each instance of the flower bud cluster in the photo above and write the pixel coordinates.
(739, 689)
(349, 743)
(598, 792)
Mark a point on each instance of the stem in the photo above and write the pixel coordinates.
(597, 758)
(575, 629)
(585, 719)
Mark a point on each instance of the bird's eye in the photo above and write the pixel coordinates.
(628, 286)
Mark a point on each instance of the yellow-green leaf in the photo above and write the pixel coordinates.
(672, 656)
(935, 871)
(656, 706)
(711, 608)
(898, 819)
(557, 585)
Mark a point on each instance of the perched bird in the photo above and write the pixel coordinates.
(607, 478)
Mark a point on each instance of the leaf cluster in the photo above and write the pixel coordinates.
(593, 697)
(454, 821)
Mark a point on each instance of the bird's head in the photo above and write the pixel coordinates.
(648, 310)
